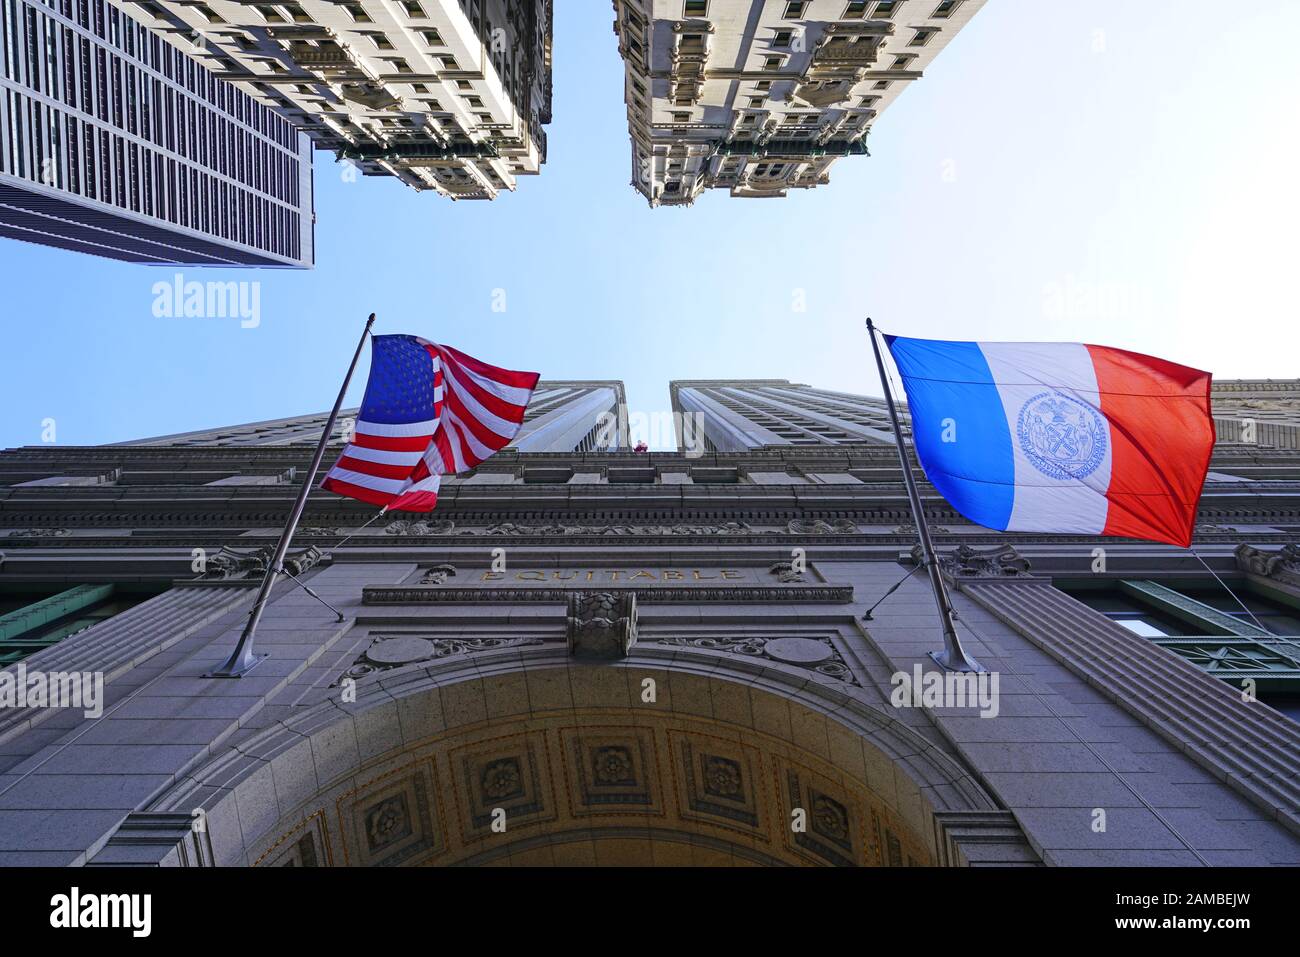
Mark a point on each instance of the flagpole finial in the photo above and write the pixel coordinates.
(370, 322)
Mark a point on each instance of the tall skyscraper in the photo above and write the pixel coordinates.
(116, 144)
(681, 655)
(447, 95)
(754, 413)
(760, 97)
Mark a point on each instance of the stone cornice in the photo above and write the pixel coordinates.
(441, 594)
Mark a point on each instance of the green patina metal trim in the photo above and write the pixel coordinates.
(1190, 610)
(1272, 665)
(23, 620)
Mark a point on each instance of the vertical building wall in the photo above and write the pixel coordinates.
(763, 96)
(444, 95)
(750, 414)
(116, 144)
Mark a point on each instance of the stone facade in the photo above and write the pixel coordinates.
(445, 95)
(690, 671)
(763, 96)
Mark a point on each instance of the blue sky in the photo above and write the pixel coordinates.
(1111, 172)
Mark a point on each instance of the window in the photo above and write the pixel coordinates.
(782, 38)
(885, 9)
(681, 117)
(773, 63)
(432, 37)
(856, 10)
(945, 9)
(695, 8)
(757, 101)
(794, 9)
(381, 41)
(413, 9)
(921, 38)
(31, 621)
(357, 12)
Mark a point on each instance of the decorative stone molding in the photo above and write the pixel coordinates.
(998, 563)
(39, 533)
(908, 528)
(786, 572)
(816, 526)
(404, 527)
(982, 839)
(426, 594)
(229, 564)
(814, 654)
(721, 528)
(601, 624)
(147, 839)
(386, 652)
(438, 574)
(317, 531)
(1282, 565)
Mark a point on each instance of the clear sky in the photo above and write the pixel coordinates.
(1113, 171)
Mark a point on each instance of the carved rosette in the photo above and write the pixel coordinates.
(601, 624)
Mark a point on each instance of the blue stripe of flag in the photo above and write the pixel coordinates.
(950, 388)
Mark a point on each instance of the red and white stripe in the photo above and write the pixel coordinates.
(479, 409)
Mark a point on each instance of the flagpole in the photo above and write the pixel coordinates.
(242, 658)
(953, 657)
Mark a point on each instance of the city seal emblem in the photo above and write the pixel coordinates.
(1061, 437)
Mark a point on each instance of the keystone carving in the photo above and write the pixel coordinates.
(1282, 565)
(601, 624)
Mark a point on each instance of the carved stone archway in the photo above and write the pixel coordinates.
(671, 756)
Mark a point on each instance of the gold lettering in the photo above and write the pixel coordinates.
(644, 574)
(670, 575)
(613, 575)
(561, 577)
(530, 577)
(731, 574)
(493, 576)
(702, 577)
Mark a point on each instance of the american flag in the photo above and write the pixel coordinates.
(429, 410)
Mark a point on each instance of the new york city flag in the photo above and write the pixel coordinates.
(1060, 437)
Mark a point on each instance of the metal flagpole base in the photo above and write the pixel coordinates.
(960, 661)
(954, 657)
(237, 665)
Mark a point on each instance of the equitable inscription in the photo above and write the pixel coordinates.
(605, 575)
